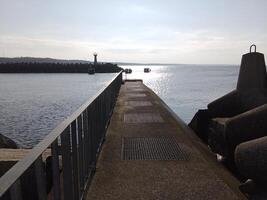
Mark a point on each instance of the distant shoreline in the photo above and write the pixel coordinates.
(75, 61)
(34, 67)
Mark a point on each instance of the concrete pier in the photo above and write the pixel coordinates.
(149, 153)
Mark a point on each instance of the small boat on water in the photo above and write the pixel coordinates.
(147, 70)
(91, 71)
(128, 71)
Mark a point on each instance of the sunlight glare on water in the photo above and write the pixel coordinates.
(187, 88)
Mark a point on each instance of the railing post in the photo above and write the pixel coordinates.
(15, 191)
(97, 124)
(76, 185)
(89, 138)
(56, 171)
(86, 153)
(67, 165)
(93, 122)
(81, 153)
(40, 178)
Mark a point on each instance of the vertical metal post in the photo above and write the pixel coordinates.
(96, 126)
(56, 171)
(90, 145)
(76, 184)
(86, 153)
(81, 153)
(67, 165)
(40, 178)
(93, 123)
(91, 116)
(15, 191)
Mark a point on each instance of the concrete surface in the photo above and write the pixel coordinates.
(200, 177)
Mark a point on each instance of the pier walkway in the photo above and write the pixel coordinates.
(149, 153)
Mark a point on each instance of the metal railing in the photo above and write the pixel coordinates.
(74, 143)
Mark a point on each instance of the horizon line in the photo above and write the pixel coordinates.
(118, 62)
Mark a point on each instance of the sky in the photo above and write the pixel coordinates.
(147, 31)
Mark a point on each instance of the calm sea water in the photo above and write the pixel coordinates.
(31, 105)
(187, 88)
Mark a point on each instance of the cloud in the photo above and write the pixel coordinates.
(155, 44)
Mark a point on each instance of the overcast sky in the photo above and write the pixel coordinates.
(159, 31)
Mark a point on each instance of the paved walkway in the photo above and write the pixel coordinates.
(150, 154)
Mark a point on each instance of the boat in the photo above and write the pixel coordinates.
(128, 71)
(91, 70)
(147, 70)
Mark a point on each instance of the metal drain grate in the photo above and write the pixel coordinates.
(135, 94)
(133, 87)
(159, 148)
(137, 90)
(138, 103)
(142, 118)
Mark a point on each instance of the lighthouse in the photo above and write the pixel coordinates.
(95, 58)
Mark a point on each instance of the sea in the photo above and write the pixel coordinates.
(31, 105)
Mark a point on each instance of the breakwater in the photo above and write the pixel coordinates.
(32, 67)
(234, 125)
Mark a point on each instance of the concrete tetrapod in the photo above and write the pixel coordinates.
(251, 159)
(240, 115)
(226, 133)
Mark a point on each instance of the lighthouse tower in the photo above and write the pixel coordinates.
(95, 58)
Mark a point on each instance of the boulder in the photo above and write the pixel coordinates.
(6, 142)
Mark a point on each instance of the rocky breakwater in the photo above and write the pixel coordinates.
(235, 125)
(31, 67)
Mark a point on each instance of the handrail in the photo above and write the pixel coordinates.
(13, 174)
